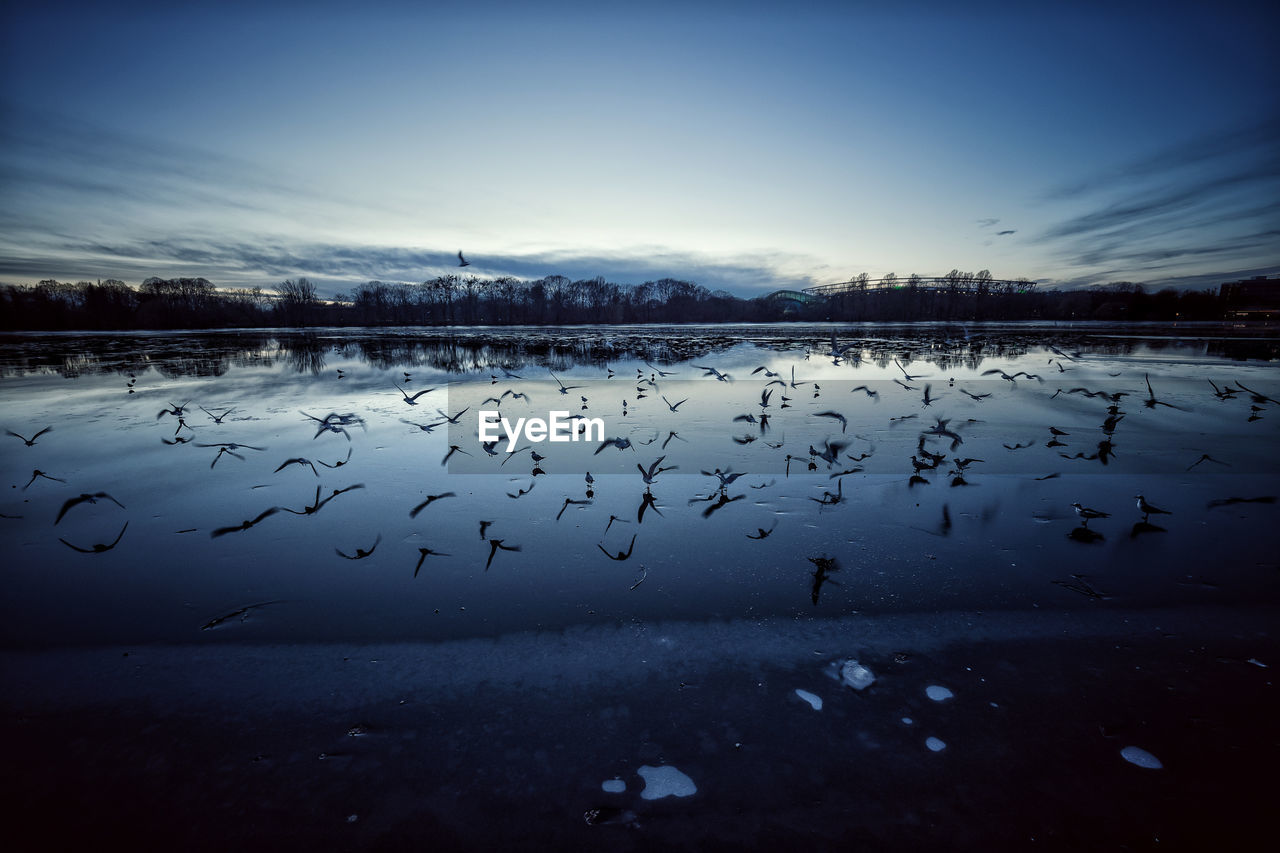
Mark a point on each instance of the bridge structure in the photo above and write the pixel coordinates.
(944, 284)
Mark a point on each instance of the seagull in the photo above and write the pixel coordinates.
(564, 389)
(100, 548)
(339, 464)
(246, 524)
(567, 502)
(413, 513)
(657, 371)
(844, 423)
(647, 501)
(875, 395)
(86, 498)
(769, 374)
(1147, 509)
(711, 371)
(37, 473)
(423, 554)
(761, 533)
(1151, 402)
(453, 448)
(30, 442)
(522, 492)
(673, 406)
(909, 377)
(496, 545)
(296, 461)
(412, 401)
(360, 552)
(653, 470)
(670, 435)
(725, 477)
(622, 555)
(463, 262)
(973, 396)
(1205, 457)
(1086, 514)
(424, 427)
(217, 419)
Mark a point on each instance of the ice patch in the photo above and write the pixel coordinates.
(935, 745)
(665, 781)
(614, 786)
(814, 701)
(1140, 757)
(907, 721)
(937, 693)
(856, 675)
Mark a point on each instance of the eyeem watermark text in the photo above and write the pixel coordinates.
(561, 426)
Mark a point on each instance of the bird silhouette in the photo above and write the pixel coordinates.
(37, 473)
(463, 262)
(85, 498)
(496, 545)
(100, 548)
(247, 523)
(621, 555)
(29, 442)
(423, 553)
(412, 401)
(360, 553)
(297, 460)
(413, 513)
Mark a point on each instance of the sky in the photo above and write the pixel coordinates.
(744, 146)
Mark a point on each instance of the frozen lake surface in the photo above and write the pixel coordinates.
(902, 495)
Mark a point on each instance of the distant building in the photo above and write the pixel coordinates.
(1256, 298)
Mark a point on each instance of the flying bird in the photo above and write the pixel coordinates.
(360, 552)
(29, 442)
(85, 498)
(413, 513)
(463, 262)
(99, 548)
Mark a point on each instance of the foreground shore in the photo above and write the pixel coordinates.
(506, 742)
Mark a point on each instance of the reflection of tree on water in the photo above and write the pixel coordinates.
(463, 351)
(304, 353)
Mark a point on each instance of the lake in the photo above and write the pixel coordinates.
(288, 559)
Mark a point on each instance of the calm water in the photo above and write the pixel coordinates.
(194, 658)
(1000, 541)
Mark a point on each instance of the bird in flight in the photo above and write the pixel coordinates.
(412, 401)
(360, 552)
(622, 555)
(423, 554)
(99, 548)
(463, 262)
(29, 442)
(413, 513)
(86, 498)
(37, 473)
(246, 524)
(496, 545)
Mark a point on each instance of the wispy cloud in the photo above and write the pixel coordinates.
(1210, 198)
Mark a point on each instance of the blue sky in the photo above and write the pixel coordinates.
(745, 146)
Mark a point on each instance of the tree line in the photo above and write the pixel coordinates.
(196, 303)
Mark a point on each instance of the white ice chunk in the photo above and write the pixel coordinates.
(665, 781)
(937, 693)
(856, 675)
(1140, 757)
(614, 786)
(935, 745)
(815, 701)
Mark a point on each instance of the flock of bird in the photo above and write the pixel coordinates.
(937, 446)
